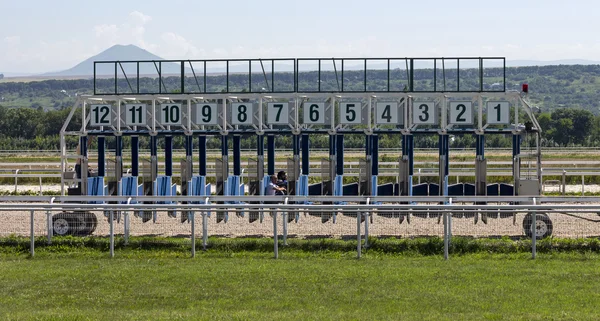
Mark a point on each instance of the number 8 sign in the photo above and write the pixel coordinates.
(242, 113)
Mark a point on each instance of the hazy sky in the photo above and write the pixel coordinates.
(43, 35)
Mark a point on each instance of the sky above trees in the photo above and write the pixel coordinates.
(40, 36)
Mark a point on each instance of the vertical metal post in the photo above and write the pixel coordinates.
(193, 222)
(101, 156)
(49, 226)
(445, 235)
(339, 153)
(169, 155)
(135, 155)
(367, 217)
(275, 240)
(126, 226)
(237, 153)
(32, 236)
(285, 223)
(564, 182)
(358, 238)
(305, 154)
(270, 154)
(534, 230)
(112, 234)
(204, 229)
(202, 155)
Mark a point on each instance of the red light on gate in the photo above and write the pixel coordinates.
(525, 88)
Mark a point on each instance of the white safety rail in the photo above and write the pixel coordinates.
(288, 216)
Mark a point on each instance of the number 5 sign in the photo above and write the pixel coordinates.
(278, 113)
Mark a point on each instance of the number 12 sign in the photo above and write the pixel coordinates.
(100, 115)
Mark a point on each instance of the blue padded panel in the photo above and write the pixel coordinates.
(434, 189)
(456, 190)
(315, 189)
(351, 189)
(506, 189)
(493, 189)
(385, 189)
(338, 189)
(420, 190)
(469, 189)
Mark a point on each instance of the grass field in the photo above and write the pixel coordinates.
(80, 283)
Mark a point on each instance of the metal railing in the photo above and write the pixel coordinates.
(362, 209)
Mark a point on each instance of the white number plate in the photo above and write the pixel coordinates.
(278, 113)
(314, 113)
(424, 113)
(135, 114)
(100, 115)
(498, 112)
(170, 114)
(206, 114)
(242, 113)
(461, 113)
(350, 113)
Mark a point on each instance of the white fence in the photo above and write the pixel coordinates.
(357, 216)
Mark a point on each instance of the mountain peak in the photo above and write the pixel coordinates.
(117, 52)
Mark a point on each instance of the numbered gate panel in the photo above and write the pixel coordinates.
(102, 115)
(136, 115)
(498, 112)
(280, 113)
(206, 113)
(425, 112)
(242, 113)
(461, 112)
(315, 113)
(353, 112)
(389, 112)
(169, 114)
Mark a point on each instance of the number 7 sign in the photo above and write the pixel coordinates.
(278, 113)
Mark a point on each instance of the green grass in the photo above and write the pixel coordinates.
(155, 279)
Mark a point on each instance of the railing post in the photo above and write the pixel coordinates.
(49, 222)
(193, 222)
(358, 238)
(582, 185)
(16, 180)
(368, 216)
(285, 223)
(534, 230)
(32, 236)
(204, 227)
(275, 241)
(564, 182)
(126, 222)
(112, 234)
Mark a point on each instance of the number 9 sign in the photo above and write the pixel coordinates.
(206, 114)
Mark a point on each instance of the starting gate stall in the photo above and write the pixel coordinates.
(303, 98)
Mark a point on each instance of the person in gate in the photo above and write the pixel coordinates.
(282, 182)
(272, 188)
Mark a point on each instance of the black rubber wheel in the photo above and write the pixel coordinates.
(543, 225)
(89, 221)
(63, 224)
